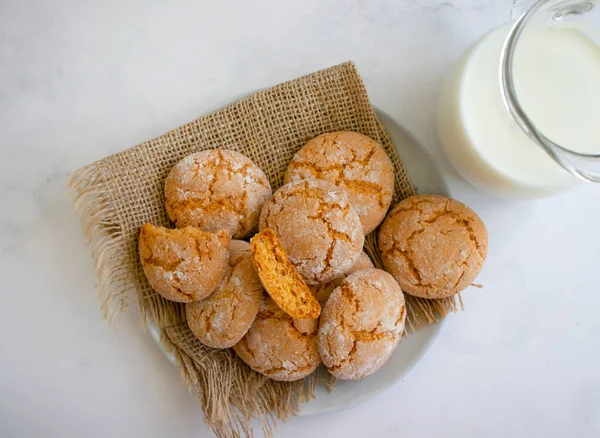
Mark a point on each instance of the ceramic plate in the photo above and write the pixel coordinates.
(426, 178)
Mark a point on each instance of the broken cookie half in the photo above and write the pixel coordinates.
(280, 279)
(186, 264)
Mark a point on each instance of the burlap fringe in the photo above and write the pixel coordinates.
(102, 231)
(103, 234)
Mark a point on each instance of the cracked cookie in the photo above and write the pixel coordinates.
(353, 162)
(223, 318)
(279, 346)
(433, 245)
(361, 324)
(279, 277)
(217, 190)
(319, 230)
(322, 291)
(186, 264)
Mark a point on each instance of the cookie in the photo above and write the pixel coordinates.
(223, 318)
(279, 346)
(361, 324)
(322, 291)
(280, 279)
(319, 230)
(217, 190)
(186, 264)
(353, 162)
(433, 245)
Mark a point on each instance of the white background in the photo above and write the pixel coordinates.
(80, 80)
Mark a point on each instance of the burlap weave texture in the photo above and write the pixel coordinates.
(117, 195)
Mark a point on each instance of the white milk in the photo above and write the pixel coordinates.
(557, 78)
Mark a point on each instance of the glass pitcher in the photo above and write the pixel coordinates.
(519, 114)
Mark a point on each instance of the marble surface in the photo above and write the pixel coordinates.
(83, 79)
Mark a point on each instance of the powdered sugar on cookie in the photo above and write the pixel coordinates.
(322, 291)
(353, 162)
(361, 324)
(433, 245)
(217, 189)
(221, 320)
(318, 228)
(183, 265)
(278, 346)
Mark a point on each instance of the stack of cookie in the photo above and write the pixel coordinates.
(325, 302)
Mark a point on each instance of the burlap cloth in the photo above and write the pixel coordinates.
(117, 195)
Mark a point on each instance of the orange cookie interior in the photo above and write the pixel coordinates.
(279, 277)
